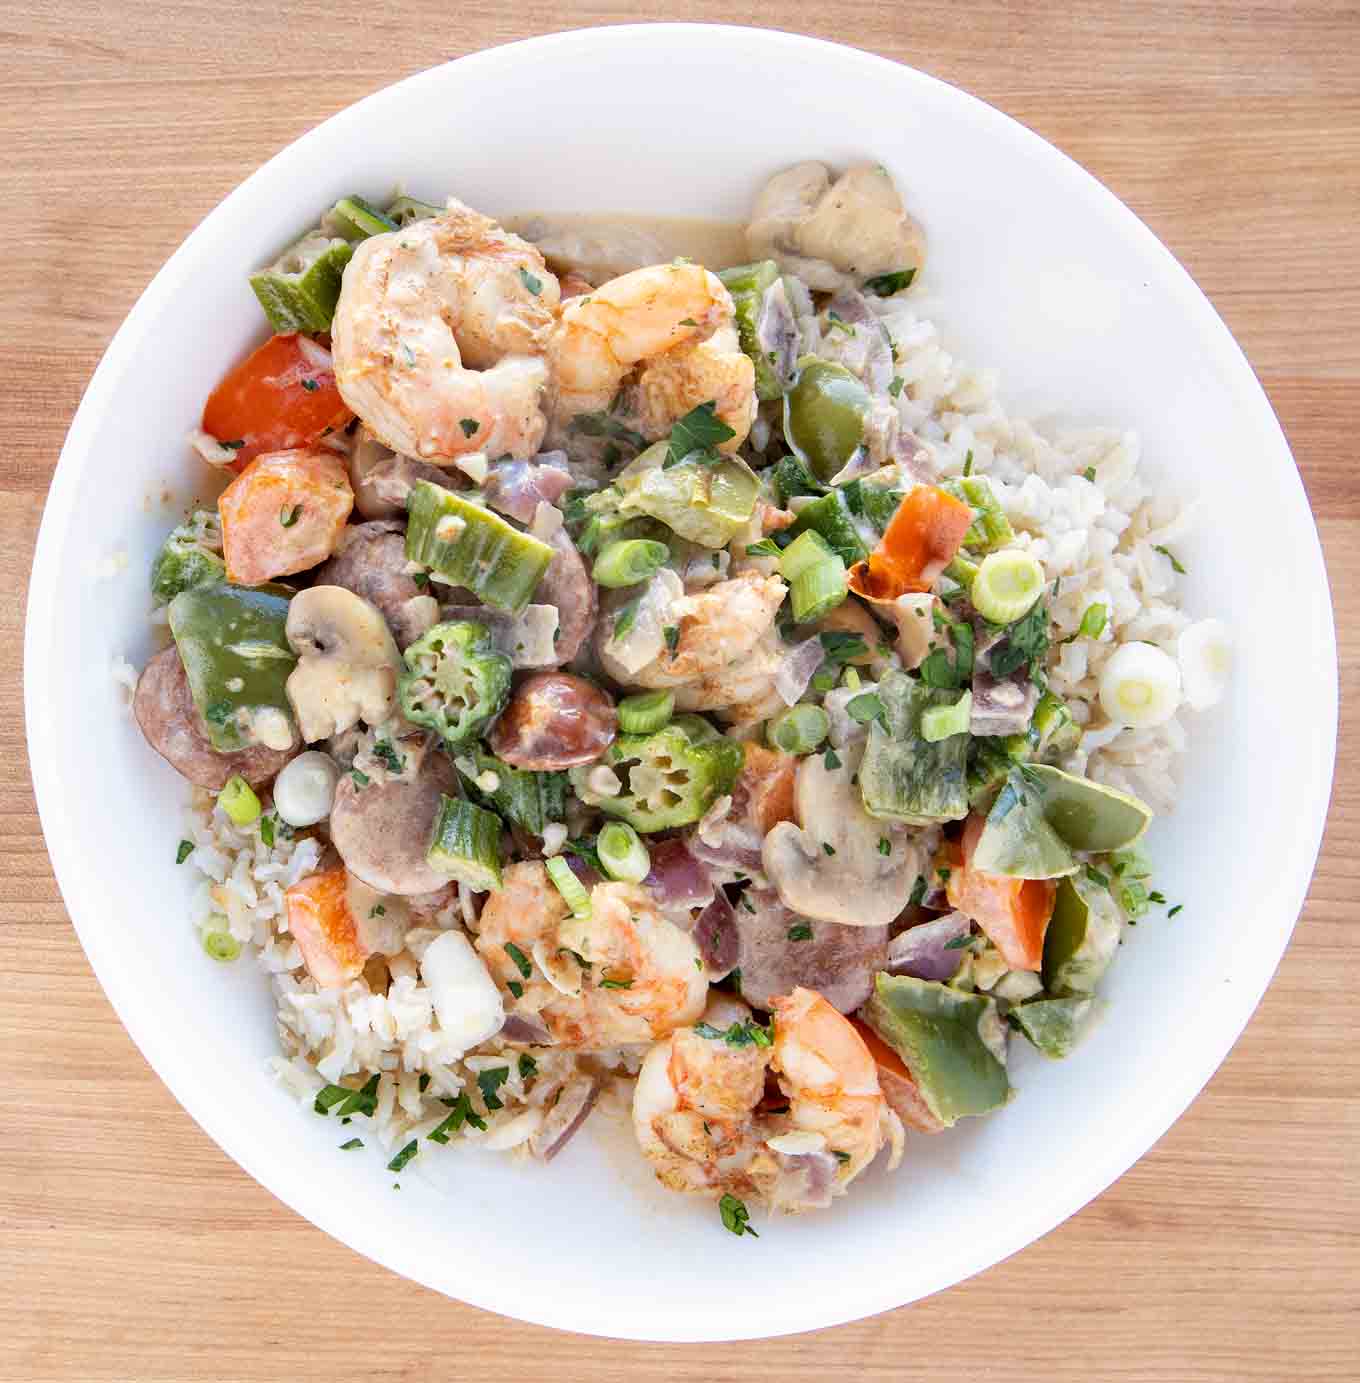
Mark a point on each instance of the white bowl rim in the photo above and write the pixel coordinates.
(1147, 1123)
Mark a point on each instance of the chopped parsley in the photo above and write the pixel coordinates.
(1156, 896)
(345, 1101)
(1089, 474)
(469, 426)
(309, 385)
(351, 1145)
(404, 1156)
(420, 579)
(968, 463)
(885, 285)
(884, 846)
(1096, 877)
(698, 430)
(840, 1156)
(766, 547)
(831, 760)
(801, 932)
(865, 707)
(1026, 642)
(671, 633)
(747, 1034)
(361, 779)
(607, 983)
(840, 646)
(585, 851)
(1170, 557)
(288, 517)
(233, 446)
(267, 829)
(186, 848)
(531, 281)
(895, 388)
(380, 911)
(527, 1066)
(488, 1082)
(1171, 912)
(515, 988)
(460, 1112)
(424, 1082)
(735, 1216)
(521, 960)
(830, 849)
(958, 942)
(387, 755)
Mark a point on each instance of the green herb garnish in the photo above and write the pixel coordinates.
(698, 430)
(885, 285)
(801, 932)
(735, 1216)
(186, 848)
(521, 960)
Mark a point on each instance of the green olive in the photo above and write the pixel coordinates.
(824, 416)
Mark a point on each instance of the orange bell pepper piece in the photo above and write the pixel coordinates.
(920, 541)
(1014, 913)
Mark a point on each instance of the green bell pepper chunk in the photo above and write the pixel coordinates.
(467, 844)
(1087, 815)
(903, 776)
(748, 284)
(356, 219)
(236, 656)
(824, 416)
(190, 556)
(300, 289)
(938, 1031)
(1082, 937)
(455, 682)
(1017, 839)
(467, 545)
(1052, 1025)
(670, 778)
(528, 799)
(706, 498)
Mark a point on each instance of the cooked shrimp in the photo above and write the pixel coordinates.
(624, 975)
(716, 370)
(704, 1121)
(641, 317)
(439, 334)
(742, 690)
(719, 626)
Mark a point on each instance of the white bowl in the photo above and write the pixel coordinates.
(1046, 275)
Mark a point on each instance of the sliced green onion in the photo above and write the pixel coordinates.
(570, 887)
(807, 551)
(1093, 621)
(238, 800)
(221, 946)
(941, 722)
(622, 854)
(962, 571)
(1006, 585)
(647, 712)
(799, 730)
(818, 590)
(629, 562)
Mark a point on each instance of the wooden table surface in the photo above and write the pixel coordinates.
(132, 1248)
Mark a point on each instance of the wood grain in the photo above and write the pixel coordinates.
(131, 1248)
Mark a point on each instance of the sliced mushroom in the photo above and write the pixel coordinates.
(381, 479)
(777, 951)
(347, 663)
(371, 562)
(837, 235)
(554, 720)
(165, 711)
(832, 867)
(382, 830)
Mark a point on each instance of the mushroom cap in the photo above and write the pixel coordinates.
(347, 662)
(852, 881)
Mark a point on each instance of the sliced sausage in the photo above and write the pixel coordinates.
(165, 711)
(836, 960)
(383, 829)
(371, 562)
(555, 720)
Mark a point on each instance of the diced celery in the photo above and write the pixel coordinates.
(991, 529)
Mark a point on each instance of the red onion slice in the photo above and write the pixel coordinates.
(677, 879)
(924, 951)
(797, 668)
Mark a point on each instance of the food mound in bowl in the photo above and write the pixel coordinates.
(671, 688)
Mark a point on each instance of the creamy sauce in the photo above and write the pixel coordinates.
(599, 246)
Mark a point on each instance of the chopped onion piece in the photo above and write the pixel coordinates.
(1140, 686)
(1204, 652)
